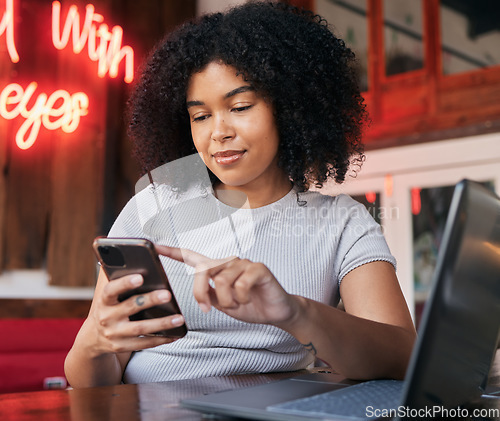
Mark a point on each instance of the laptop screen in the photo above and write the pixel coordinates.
(461, 321)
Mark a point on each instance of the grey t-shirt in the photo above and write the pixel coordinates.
(309, 242)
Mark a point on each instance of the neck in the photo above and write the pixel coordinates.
(254, 196)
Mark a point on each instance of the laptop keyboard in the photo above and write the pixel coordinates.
(359, 402)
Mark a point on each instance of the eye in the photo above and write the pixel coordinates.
(241, 109)
(200, 118)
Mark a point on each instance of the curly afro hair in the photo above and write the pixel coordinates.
(289, 56)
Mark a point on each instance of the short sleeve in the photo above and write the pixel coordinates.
(361, 239)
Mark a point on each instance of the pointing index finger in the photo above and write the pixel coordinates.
(189, 257)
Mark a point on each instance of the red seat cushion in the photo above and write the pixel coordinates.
(32, 350)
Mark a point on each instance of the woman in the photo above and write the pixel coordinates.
(265, 94)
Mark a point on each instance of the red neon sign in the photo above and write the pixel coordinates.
(62, 110)
(7, 26)
(108, 52)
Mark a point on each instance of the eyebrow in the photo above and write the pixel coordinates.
(241, 89)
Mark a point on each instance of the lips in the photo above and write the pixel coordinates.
(228, 157)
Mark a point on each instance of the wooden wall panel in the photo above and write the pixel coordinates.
(76, 208)
(78, 174)
(27, 208)
(3, 195)
(404, 102)
(5, 128)
(27, 171)
(470, 98)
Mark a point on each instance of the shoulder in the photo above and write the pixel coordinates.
(340, 206)
(146, 206)
(347, 217)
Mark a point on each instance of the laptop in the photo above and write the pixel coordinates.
(457, 340)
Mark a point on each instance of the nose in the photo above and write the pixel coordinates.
(222, 129)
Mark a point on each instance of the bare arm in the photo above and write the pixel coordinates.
(373, 338)
(107, 338)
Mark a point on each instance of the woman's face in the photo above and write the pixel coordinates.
(233, 129)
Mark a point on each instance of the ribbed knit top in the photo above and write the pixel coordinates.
(309, 242)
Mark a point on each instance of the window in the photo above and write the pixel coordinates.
(470, 35)
(348, 21)
(403, 29)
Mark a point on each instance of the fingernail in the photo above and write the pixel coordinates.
(178, 321)
(136, 280)
(163, 295)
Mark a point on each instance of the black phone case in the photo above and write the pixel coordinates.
(139, 256)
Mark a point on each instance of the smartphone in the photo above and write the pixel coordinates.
(125, 256)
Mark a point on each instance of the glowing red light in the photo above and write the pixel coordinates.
(66, 116)
(62, 110)
(371, 197)
(388, 185)
(103, 46)
(7, 26)
(416, 202)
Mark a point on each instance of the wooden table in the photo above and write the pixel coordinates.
(127, 402)
(144, 402)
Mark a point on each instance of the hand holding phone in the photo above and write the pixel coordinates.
(125, 256)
